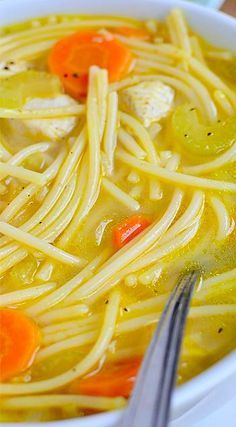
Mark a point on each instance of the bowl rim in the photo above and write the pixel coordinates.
(225, 367)
(183, 4)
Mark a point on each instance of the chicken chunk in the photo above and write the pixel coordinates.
(53, 129)
(9, 68)
(149, 101)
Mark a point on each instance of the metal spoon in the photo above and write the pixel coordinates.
(150, 402)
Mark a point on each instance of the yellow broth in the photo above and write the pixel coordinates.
(208, 337)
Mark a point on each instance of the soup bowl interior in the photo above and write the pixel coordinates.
(218, 29)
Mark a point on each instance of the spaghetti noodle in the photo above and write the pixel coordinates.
(105, 200)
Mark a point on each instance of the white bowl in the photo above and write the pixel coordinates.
(217, 28)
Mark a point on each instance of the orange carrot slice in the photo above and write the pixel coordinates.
(137, 33)
(128, 229)
(72, 57)
(19, 342)
(114, 380)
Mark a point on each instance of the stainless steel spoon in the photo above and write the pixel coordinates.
(150, 402)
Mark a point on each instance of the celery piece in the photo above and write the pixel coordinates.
(198, 138)
(16, 90)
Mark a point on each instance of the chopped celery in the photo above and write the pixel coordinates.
(197, 138)
(17, 89)
(24, 271)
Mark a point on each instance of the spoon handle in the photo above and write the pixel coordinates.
(150, 402)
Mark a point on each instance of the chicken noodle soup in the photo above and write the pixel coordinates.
(117, 168)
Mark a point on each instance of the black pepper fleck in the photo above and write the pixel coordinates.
(220, 330)
(126, 309)
(107, 301)
(192, 109)
(6, 68)
(185, 135)
(209, 133)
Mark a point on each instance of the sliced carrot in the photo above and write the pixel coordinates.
(72, 57)
(128, 229)
(114, 380)
(137, 33)
(19, 342)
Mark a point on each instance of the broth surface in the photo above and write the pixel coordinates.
(113, 176)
